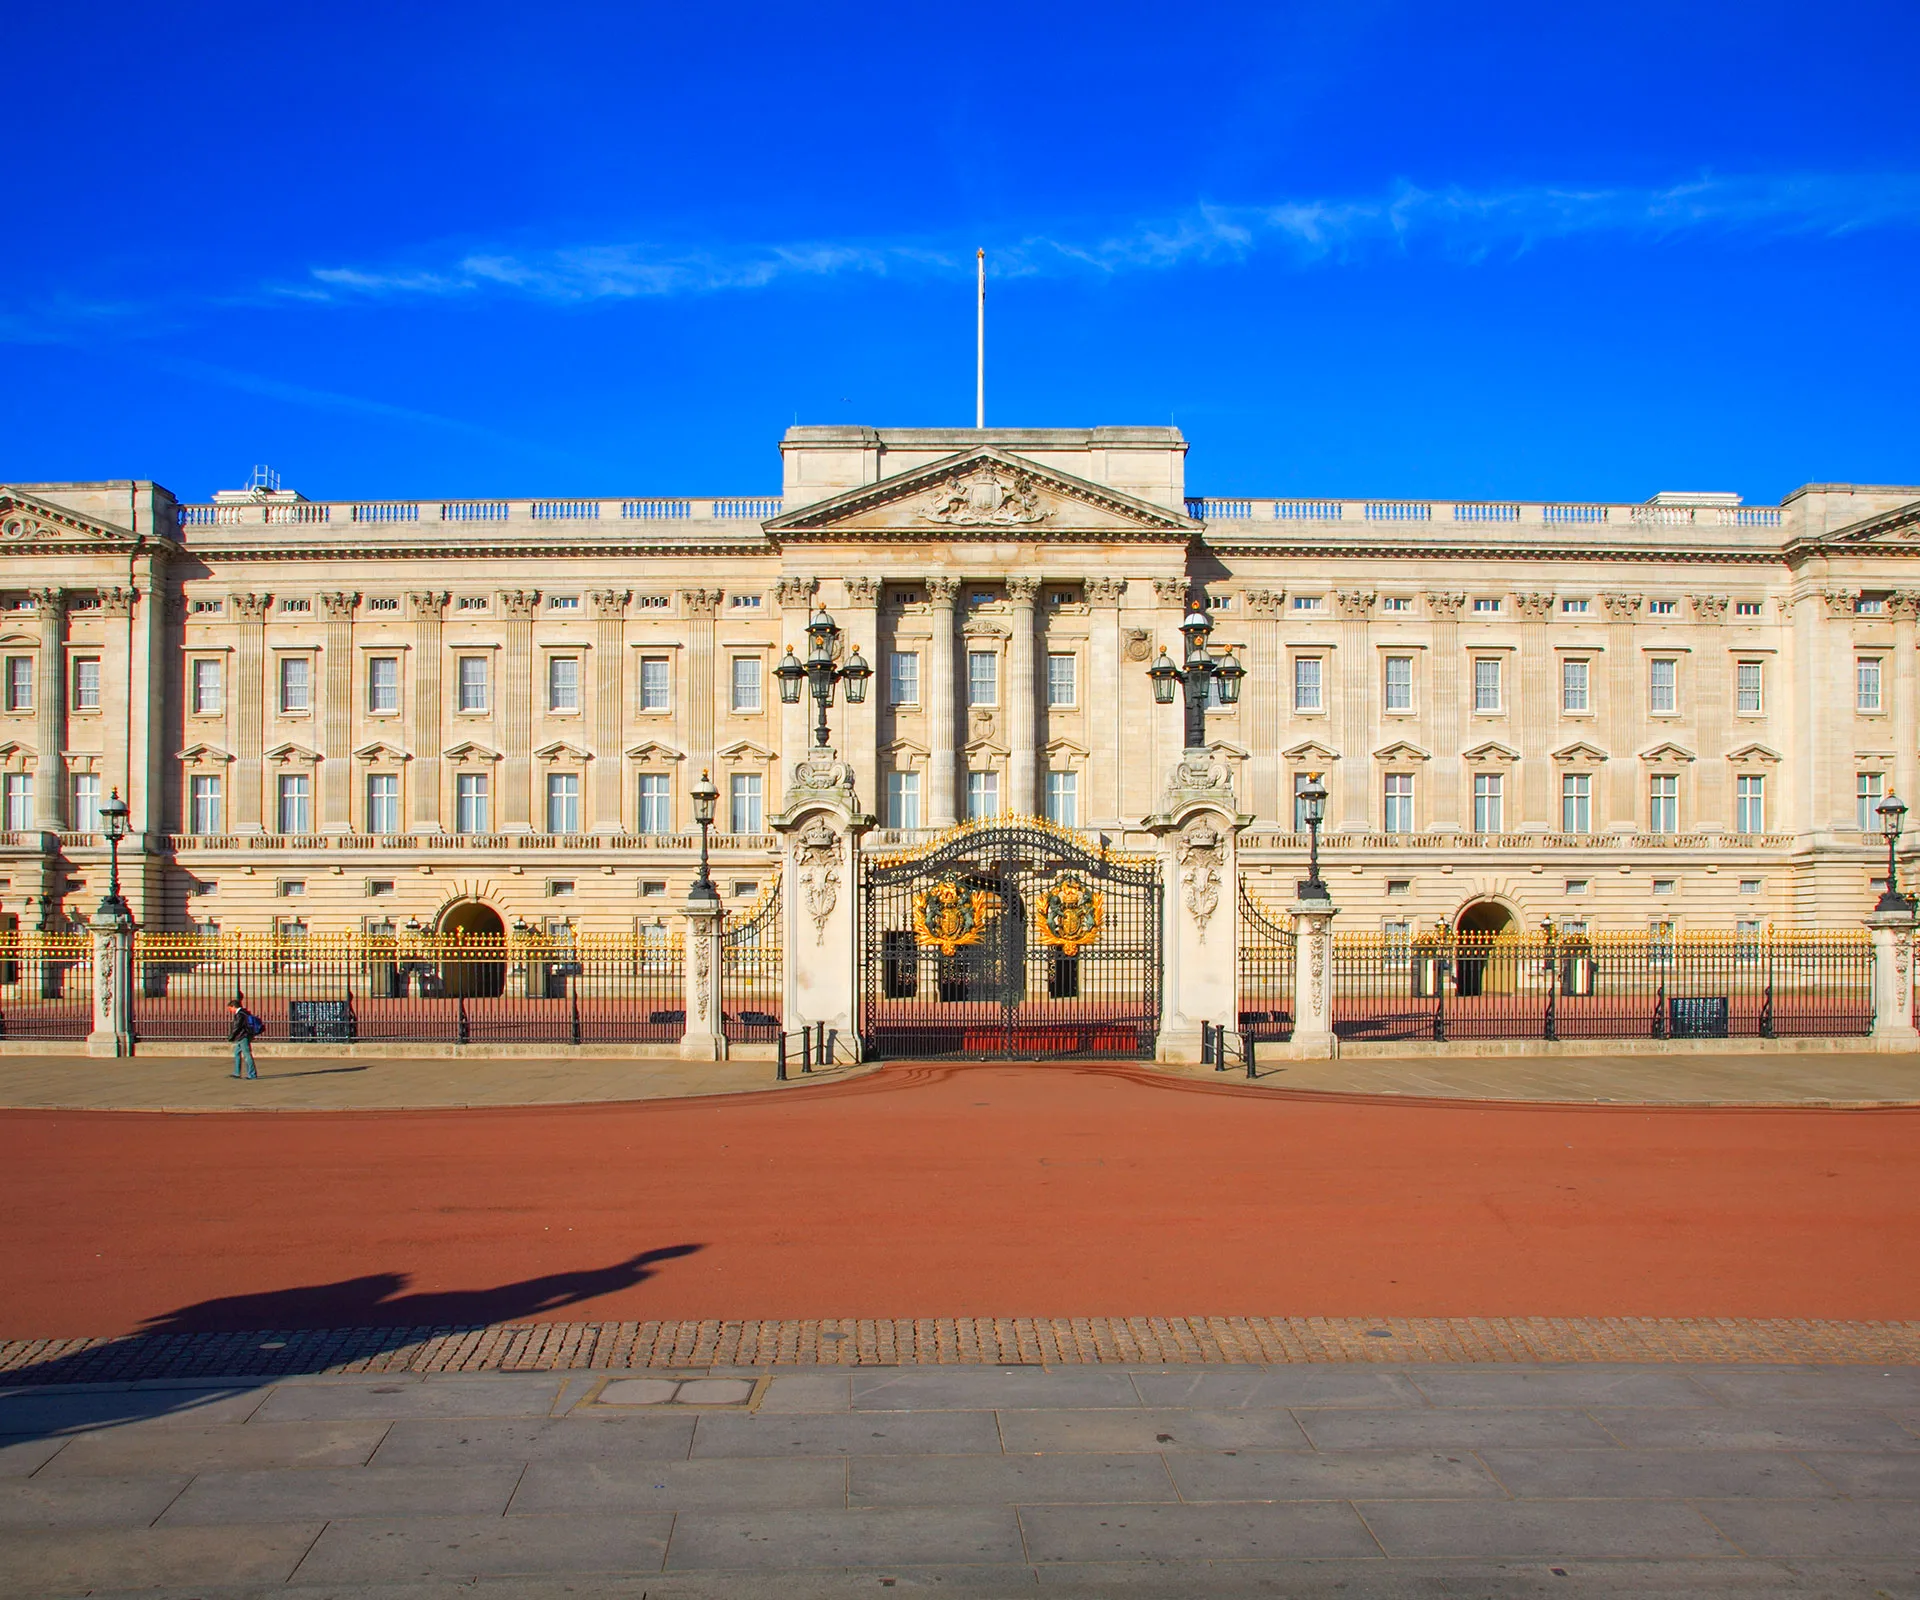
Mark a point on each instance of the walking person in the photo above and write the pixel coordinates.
(243, 1028)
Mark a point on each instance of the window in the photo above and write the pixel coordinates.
(84, 792)
(903, 678)
(204, 811)
(19, 683)
(1869, 605)
(377, 887)
(1866, 684)
(1664, 885)
(903, 799)
(1306, 602)
(983, 685)
(1748, 929)
(383, 802)
(653, 889)
(1576, 803)
(1306, 683)
(563, 802)
(1486, 683)
(563, 602)
(296, 685)
(291, 888)
(744, 602)
(471, 813)
(383, 683)
(983, 795)
(1749, 885)
(86, 683)
(1397, 813)
(746, 684)
(473, 683)
(209, 689)
(1663, 691)
(743, 803)
(1063, 798)
(1869, 789)
(563, 683)
(656, 812)
(1489, 802)
(295, 811)
(1576, 886)
(1660, 608)
(1574, 608)
(1573, 686)
(1749, 682)
(1399, 696)
(1061, 686)
(17, 793)
(656, 683)
(1396, 602)
(1300, 781)
(466, 602)
(1485, 606)
(1746, 608)
(1663, 803)
(1750, 810)
(746, 889)
(1399, 886)
(296, 605)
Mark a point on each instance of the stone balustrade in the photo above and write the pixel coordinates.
(1519, 513)
(314, 513)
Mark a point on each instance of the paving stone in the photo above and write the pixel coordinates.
(1824, 1527)
(715, 1392)
(990, 1389)
(639, 1392)
(1558, 1386)
(809, 1391)
(1277, 1387)
(1621, 1474)
(1193, 1533)
(1876, 1387)
(28, 1412)
(862, 1538)
(720, 1485)
(19, 1457)
(87, 1502)
(1868, 1474)
(491, 1396)
(1787, 1427)
(348, 1492)
(84, 1560)
(1541, 1529)
(893, 1433)
(1163, 1428)
(373, 1551)
(1460, 1429)
(645, 1436)
(1331, 1475)
(1007, 1480)
(228, 1447)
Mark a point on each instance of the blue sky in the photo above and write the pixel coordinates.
(1351, 247)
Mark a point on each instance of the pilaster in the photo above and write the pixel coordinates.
(1261, 697)
(1712, 809)
(794, 595)
(1534, 695)
(428, 609)
(1105, 696)
(1904, 605)
(128, 714)
(943, 720)
(249, 709)
(336, 713)
(50, 712)
(1444, 804)
(700, 607)
(609, 706)
(1353, 710)
(860, 725)
(1622, 720)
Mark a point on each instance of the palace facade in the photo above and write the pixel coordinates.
(466, 714)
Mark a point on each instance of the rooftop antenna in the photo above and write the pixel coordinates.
(264, 481)
(980, 349)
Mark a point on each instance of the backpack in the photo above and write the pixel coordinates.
(255, 1027)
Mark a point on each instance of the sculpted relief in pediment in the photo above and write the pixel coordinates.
(988, 496)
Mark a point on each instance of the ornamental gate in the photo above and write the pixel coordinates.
(1015, 940)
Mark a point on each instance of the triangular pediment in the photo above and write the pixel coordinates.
(560, 750)
(205, 755)
(293, 755)
(470, 750)
(985, 747)
(904, 747)
(30, 524)
(1900, 526)
(654, 750)
(1312, 750)
(1492, 750)
(983, 494)
(380, 750)
(1061, 745)
(746, 750)
(1667, 752)
(1580, 751)
(1754, 753)
(1402, 750)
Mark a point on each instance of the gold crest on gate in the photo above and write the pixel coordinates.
(1071, 916)
(948, 916)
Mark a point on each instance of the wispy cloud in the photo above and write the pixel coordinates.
(1459, 224)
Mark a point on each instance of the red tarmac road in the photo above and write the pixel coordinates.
(954, 1191)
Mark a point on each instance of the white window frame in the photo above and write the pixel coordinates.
(746, 800)
(472, 803)
(1397, 696)
(1396, 803)
(745, 674)
(653, 803)
(1869, 684)
(1309, 684)
(293, 803)
(656, 696)
(1063, 680)
(1576, 802)
(903, 678)
(19, 683)
(383, 796)
(556, 688)
(1488, 686)
(1869, 789)
(903, 799)
(1576, 685)
(206, 803)
(983, 795)
(1750, 809)
(292, 668)
(374, 686)
(1489, 802)
(1749, 698)
(1663, 802)
(983, 674)
(16, 802)
(207, 686)
(482, 691)
(1663, 683)
(83, 802)
(563, 802)
(1063, 798)
(81, 688)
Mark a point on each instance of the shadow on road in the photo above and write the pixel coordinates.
(197, 1356)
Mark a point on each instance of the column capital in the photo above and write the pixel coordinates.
(250, 607)
(1171, 591)
(1621, 607)
(427, 605)
(49, 600)
(1709, 607)
(1104, 591)
(1533, 607)
(519, 604)
(117, 602)
(1354, 605)
(339, 606)
(609, 603)
(795, 591)
(1446, 607)
(942, 591)
(1904, 604)
(702, 602)
(1023, 591)
(861, 591)
(1263, 603)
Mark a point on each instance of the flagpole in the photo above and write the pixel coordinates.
(980, 350)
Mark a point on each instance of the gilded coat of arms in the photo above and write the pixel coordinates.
(949, 917)
(1071, 916)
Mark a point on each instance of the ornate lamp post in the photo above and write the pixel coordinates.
(1197, 674)
(113, 823)
(1893, 816)
(819, 673)
(1313, 807)
(706, 796)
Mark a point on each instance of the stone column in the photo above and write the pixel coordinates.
(1198, 826)
(1353, 713)
(1444, 804)
(1533, 734)
(1262, 696)
(428, 610)
(249, 710)
(1712, 806)
(1892, 933)
(1619, 811)
(514, 804)
(1904, 605)
(1313, 978)
(1105, 695)
(706, 1035)
(795, 598)
(700, 607)
(336, 714)
(1023, 699)
(943, 716)
(127, 724)
(1169, 722)
(860, 725)
(609, 706)
(822, 829)
(112, 1033)
(50, 712)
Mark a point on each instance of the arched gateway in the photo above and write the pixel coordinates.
(1012, 939)
(477, 925)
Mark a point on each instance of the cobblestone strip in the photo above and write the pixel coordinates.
(963, 1341)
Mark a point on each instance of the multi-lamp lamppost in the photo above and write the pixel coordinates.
(820, 673)
(1201, 674)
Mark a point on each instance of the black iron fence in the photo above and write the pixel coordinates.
(46, 985)
(751, 974)
(1266, 969)
(346, 988)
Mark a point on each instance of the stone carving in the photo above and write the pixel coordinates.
(942, 591)
(1200, 852)
(249, 607)
(1022, 591)
(982, 719)
(1446, 607)
(990, 496)
(428, 605)
(701, 602)
(1533, 607)
(1263, 603)
(520, 604)
(1138, 645)
(791, 592)
(1317, 940)
(978, 627)
(1621, 607)
(1840, 602)
(817, 853)
(118, 602)
(609, 603)
(1354, 604)
(1902, 966)
(702, 964)
(1104, 591)
(1199, 775)
(1171, 591)
(1904, 603)
(1709, 607)
(861, 591)
(338, 606)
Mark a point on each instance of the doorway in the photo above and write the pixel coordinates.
(1480, 967)
(483, 974)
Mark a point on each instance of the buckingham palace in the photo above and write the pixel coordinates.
(464, 714)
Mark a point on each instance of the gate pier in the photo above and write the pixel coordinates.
(1198, 826)
(822, 828)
